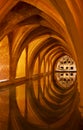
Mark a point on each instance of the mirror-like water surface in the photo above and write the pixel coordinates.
(39, 104)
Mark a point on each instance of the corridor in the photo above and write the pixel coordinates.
(41, 65)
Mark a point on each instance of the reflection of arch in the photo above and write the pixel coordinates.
(43, 112)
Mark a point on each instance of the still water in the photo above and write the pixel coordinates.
(39, 104)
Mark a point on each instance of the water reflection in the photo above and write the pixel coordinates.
(39, 104)
(65, 79)
(4, 109)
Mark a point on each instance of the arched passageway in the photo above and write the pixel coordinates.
(34, 36)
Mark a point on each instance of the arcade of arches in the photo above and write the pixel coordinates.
(34, 35)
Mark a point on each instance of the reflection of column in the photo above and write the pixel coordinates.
(39, 64)
(27, 70)
(48, 83)
(48, 72)
(9, 119)
(39, 77)
(44, 66)
(39, 89)
(26, 101)
(48, 64)
(44, 78)
(44, 85)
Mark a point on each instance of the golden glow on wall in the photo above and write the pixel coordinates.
(4, 59)
(21, 65)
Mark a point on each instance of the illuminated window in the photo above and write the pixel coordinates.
(65, 71)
